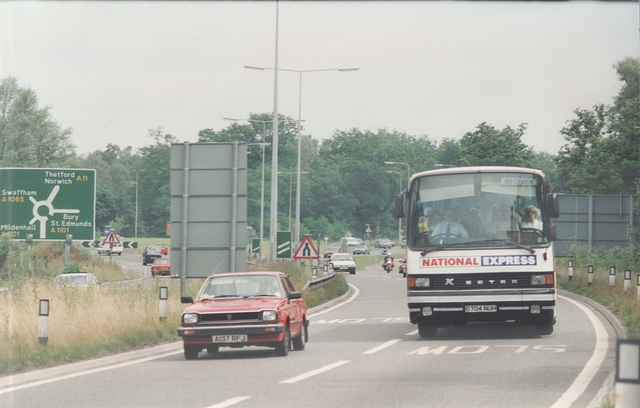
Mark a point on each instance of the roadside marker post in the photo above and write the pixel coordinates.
(43, 322)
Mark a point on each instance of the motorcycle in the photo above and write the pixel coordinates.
(388, 265)
(402, 268)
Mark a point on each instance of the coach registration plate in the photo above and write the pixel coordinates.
(230, 338)
(480, 308)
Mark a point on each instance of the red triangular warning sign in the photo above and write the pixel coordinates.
(111, 238)
(306, 250)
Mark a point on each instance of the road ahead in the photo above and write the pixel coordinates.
(361, 353)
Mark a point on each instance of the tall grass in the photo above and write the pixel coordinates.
(624, 305)
(88, 322)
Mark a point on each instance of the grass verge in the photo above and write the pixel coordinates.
(93, 322)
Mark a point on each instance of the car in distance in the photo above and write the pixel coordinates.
(330, 251)
(77, 279)
(150, 253)
(110, 249)
(361, 250)
(384, 243)
(242, 309)
(161, 267)
(342, 262)
(164, 250)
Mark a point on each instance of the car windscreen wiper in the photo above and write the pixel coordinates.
(469, 243)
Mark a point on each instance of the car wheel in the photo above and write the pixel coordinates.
(298, 342)
(191, 352)
(282, 349)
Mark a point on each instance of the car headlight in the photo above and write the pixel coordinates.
(190, 318)
(269, 315)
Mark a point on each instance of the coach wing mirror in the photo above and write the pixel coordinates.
(553, 205)
(398, 210)
(550, 231)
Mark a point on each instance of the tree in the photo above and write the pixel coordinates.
(488, 146)
(154, 186)
(29, 137)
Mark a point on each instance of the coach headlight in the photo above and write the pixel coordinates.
(190, 318)
(537, 280)
(422, 282)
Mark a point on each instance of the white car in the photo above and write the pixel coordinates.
(342, 262)
(110, 249)
(79, 279)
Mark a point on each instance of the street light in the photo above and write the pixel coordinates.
(300, 72)
(290, 173)
(399, 219)
(263, 144)
(408, 170)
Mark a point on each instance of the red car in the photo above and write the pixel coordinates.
(330, 251)
(161, 267)
(164, 250)
(244, 309)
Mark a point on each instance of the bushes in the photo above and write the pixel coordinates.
(624, 305)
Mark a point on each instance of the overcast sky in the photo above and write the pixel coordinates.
(113, 70)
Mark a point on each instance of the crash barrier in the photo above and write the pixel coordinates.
(317, 282)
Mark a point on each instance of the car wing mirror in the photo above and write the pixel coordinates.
(186, 299)
(295, 295)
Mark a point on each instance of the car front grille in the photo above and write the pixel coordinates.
(229, 317)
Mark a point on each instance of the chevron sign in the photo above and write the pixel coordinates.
(95, 244)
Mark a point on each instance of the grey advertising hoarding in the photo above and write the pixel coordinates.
(208, 208)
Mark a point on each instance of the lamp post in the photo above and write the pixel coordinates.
(399, 219)
(408, 169)
(290, 173)
(263, 144)
(299, 165)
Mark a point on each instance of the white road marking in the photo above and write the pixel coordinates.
(382, 346)
(229, 402)
(412, 333)
(315, 372)
(86, 372)
(593, 365)
(355, 295)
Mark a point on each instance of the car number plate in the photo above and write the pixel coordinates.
(230, 338)
(481, 308)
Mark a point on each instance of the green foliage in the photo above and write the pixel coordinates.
(488, 146)
(29, 137)
(346, 183)
(623, 304)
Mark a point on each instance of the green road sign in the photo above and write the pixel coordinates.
(283, 239)
(255, 245)
(47, 203)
